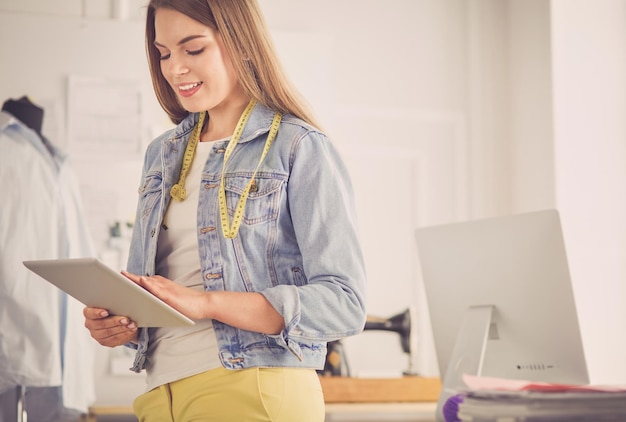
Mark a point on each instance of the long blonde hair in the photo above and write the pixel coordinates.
(248, 43)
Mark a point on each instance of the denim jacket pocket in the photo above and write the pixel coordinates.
(150, 192)
(263, 200)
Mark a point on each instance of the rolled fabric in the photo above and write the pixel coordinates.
(450, 408)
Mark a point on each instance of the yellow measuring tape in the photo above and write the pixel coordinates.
(178, 191)
(230, 231)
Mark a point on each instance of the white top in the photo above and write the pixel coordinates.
(176, 352)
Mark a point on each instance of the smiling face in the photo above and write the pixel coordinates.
(195, 63)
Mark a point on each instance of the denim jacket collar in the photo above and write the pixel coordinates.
(259, 123)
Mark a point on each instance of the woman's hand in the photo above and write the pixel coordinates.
(246, 310)
(191, 303)
(109, 330)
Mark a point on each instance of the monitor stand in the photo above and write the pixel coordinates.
(468, 353)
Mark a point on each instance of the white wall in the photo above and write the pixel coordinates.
(488, 107)
(531, 156)
(510, 107)
(589, 80)
(547, 106)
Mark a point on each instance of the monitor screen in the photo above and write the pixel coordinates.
(500, 289)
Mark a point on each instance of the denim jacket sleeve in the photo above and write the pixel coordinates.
(330, 302)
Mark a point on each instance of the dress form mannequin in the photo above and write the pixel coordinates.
(32, 116)
(37, 387)
(26, 111)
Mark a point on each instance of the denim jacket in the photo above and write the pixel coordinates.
(297, 245)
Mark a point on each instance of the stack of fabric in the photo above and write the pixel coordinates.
(498, 400)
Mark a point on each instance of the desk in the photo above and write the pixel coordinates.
(409, 389)
(381, 412)
(96, 411)
(355, 400)
(335, 412)
(407, 399)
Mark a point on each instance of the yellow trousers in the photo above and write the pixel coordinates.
(248, 395)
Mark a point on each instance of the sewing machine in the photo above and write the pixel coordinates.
(336, 361)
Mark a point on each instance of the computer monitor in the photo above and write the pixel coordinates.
(500, 300)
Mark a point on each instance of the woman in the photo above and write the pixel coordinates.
(245, 223)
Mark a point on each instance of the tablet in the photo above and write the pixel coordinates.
(94, 284)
